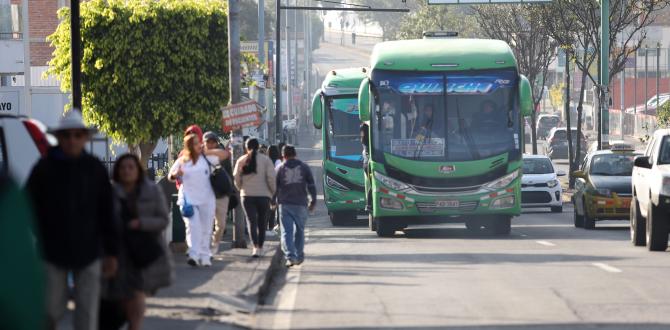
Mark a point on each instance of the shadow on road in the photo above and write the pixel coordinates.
(571, 326)
(466, 258)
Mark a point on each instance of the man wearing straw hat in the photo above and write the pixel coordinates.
(76, 229)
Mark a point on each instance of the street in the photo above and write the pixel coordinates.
(546, 275)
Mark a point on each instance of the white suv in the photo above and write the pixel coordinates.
(539, 184)
(650, 206)
(22, 142)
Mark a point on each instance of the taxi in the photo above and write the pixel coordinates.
(603, 186)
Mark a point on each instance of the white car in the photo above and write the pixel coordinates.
(539, 184)
(22, 142)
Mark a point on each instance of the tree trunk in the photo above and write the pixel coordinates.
(568, 128)
(146, 148)
(580, 111)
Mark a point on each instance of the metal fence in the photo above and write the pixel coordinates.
(351, 39)
(156, 164)
(636, 125)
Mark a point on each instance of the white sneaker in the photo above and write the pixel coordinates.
(254, 253)
(276, 229)
(206, 262)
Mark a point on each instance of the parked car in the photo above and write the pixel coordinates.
(602, 187)
(650, 105)
(545, 123)
(539, 184)
(22, 142)
(650, 206)
(556, 146)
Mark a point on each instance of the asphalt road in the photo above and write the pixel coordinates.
(545, 275)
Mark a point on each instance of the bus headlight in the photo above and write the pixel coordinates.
(504, 181)
(330, 182)
(390, 203)
(503, 203)
(391, 183)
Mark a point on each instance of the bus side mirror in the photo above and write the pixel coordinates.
(525, 97)
(317, 110)
(364, 100)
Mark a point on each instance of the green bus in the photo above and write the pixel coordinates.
(445, 134)
(335, 112)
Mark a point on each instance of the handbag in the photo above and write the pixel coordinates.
(143, 247)
(220, 180)
(186, 208)
(160, 273)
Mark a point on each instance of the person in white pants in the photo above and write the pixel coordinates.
(192, 171)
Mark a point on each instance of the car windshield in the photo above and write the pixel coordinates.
(549, 121)
(614, 164)
(537, 166)
(474, 117)
(343, 138)
(563, 134)
(664, 156)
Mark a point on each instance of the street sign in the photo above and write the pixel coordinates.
(237, 116)
(9, 102)
(470, 2)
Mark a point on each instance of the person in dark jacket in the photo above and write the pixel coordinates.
(76, 227)
(294, 181)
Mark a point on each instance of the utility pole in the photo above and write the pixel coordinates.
(604, 69)
(239, 240)
(261, 47)
(277, 80)
(622, 82)
(658, 73)
(75, 48)
(289, 76)
(567, 117)
(27, 88)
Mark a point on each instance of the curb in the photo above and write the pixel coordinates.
(270, 273)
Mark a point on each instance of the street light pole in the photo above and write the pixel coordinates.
(75, 49)
(277, 81)
(261, 48)
(604, 69)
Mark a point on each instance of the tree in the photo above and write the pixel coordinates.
(575, 25)
(149, 68)
(439, 18)
(521, 27)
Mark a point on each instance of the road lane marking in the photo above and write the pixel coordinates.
(545, 243)
(606, 267)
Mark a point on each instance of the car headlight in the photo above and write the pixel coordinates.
(330, 182)
(665, 188)
(504, 181)
(552, 183)
(604, 192)
(391, 183)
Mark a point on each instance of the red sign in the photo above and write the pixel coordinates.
(237, 116)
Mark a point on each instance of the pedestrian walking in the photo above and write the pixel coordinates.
(76, 229)
(294, 181)
(280, 147)
(255, 178)
(213, 146)
(273, 224)
(196, 195)
(275, 155)
(140, 204)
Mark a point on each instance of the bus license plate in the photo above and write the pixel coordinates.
(446, 203)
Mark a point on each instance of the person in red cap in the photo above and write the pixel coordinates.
(194, 129)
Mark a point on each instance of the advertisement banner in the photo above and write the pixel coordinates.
(237, 116)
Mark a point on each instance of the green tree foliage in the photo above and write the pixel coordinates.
(427, 17)
(663, 115)
(149, 68)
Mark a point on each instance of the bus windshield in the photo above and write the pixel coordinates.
(343, 138)
(474, 117)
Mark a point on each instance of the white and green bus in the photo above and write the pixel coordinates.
(445, 133)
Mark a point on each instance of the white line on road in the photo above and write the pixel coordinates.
(607, 267)
(545, 243)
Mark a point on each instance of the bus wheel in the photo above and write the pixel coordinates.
(341, 218)
(501, 226)
(385, 229)
(372, 222)
(473, 225)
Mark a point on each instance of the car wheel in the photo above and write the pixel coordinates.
(341, 218)
(638, 224)
(385, 229)
(372, 222)
(657, 230)
(557, 209)
(578, 219)
(589, 223)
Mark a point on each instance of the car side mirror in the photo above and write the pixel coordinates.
(560, 173)
(364, 100)
(317, 110)
(642, 161)
(525, 96)
(578, 174)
